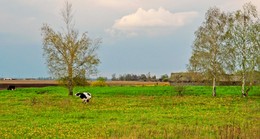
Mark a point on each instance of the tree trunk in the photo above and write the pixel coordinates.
(243, 85)
(70, 80)
(70, 87)
(214, 87)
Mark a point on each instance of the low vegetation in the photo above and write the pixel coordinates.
(130, 112)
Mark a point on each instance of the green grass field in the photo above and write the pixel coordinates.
(130, 112)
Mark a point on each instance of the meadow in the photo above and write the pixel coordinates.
(130, 112)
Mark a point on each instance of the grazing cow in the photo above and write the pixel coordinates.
(11, 87)
(85, 96)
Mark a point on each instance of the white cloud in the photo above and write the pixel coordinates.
(151, 22)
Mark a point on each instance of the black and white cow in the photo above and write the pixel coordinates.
(85, 96)
(11, 87)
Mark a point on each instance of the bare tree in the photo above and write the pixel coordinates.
(244, 43)
(208, 48)
(68, 55)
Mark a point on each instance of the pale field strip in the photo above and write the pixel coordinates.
(110, 83)
(28, 82)
(137, 83)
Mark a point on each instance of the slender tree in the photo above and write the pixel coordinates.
(207, 50)
(68, 55)
(244, 43)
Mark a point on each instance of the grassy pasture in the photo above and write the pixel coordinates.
(130, 112)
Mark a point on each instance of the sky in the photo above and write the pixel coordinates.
(138, 36)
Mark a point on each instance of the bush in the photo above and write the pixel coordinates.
(179, 89)
(99, 83)
(103, 79)
(77, 81)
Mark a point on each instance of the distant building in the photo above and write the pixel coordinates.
(191, 78)
(8, 79)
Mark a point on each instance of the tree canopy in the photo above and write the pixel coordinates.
(208, 47)
(69, 56)
(227, 43)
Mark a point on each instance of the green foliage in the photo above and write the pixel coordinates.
(143, 112)
(164, 78)
(103, 79)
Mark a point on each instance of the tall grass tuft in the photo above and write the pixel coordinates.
(179, 89)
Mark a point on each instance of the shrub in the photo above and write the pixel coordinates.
(102, 79)
(77, 81)
(99, 83)
(179, 89)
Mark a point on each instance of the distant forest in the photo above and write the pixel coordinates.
(141, 77)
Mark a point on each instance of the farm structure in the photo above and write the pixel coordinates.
(188, 78)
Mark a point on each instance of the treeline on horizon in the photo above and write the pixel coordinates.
(136, 77)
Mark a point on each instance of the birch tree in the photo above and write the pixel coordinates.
(207, 50)
(244, 43)
(68, 54)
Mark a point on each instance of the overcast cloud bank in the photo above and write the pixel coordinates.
(138, 35)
